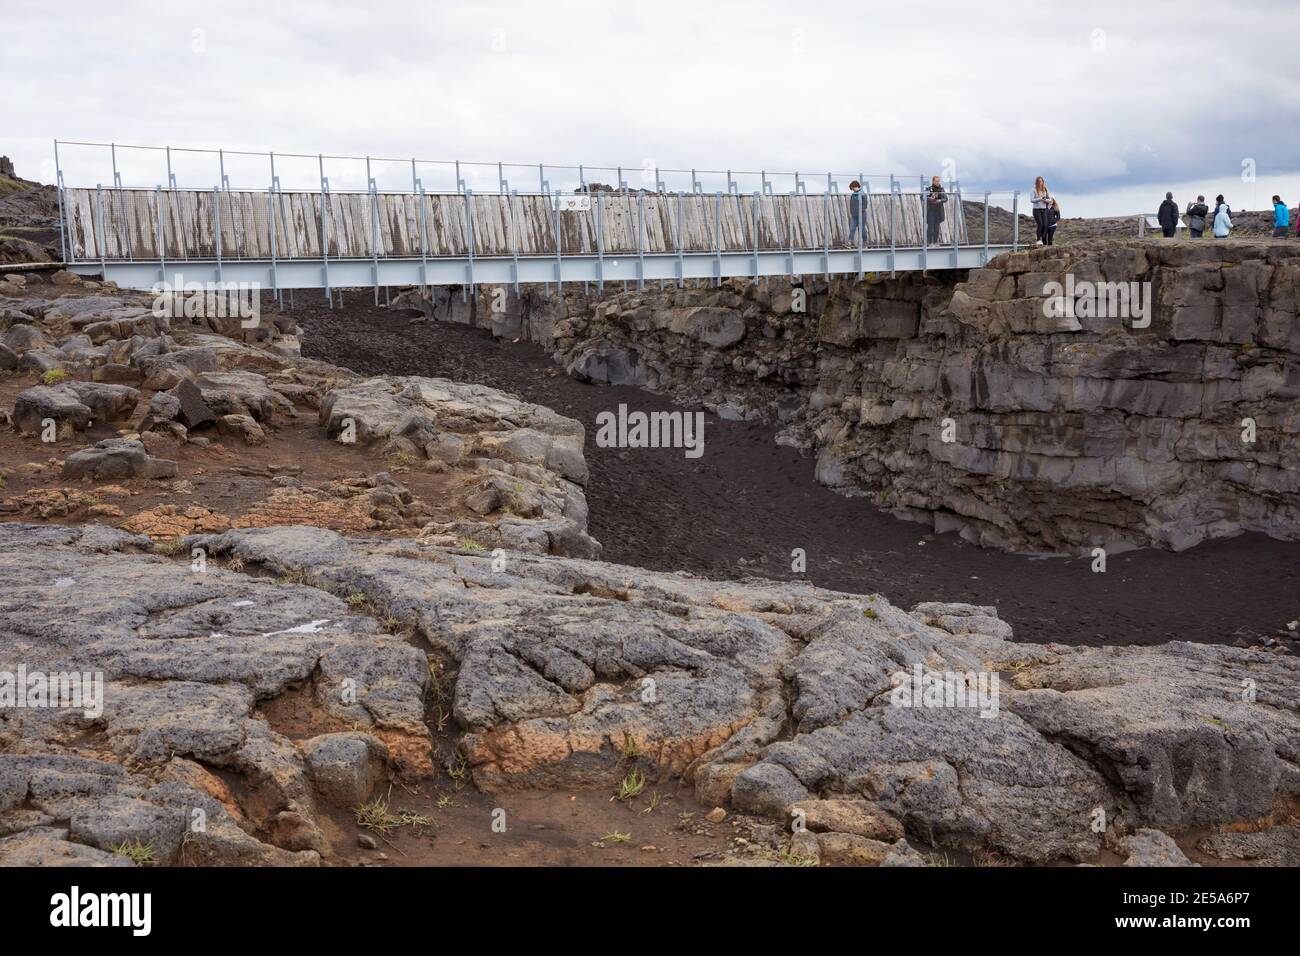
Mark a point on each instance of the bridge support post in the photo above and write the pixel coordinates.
(895, 197)
(958, 216)
(681, 257)
(424, 235)
(600, 241)
(640, 239)
(1015, 221)
(469, 245)
(559, 251)
(161, 236)
(717, 238)
(270, 208)
(514, 239)
(216, 215)
(375, 232)
(324, 230)
(984, 259)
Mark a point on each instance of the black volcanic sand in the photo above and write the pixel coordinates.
(740, 509)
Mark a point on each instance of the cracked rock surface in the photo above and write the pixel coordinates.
(774, 694)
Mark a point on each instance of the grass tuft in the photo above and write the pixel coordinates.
(141, 854)
(629, 787)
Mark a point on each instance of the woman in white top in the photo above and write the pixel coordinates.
(1042, 203)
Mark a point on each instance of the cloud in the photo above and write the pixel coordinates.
(1100, 98)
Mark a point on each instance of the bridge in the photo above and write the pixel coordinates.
(324, 237)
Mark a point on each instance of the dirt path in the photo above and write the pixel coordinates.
(741, 508)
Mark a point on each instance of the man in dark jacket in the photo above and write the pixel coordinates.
(1168, 215)
(1196, 214)
(857, 213)
(934, 212)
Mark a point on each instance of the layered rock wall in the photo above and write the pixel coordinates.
(969, 402)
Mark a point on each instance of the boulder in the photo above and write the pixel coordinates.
(345, 767)
(194, 411)
(1149, 847)
(117, 458)
(33, 406)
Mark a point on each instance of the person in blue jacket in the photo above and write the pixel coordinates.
(1281, 218)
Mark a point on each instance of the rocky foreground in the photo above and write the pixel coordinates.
(776, 699)
(268, 666)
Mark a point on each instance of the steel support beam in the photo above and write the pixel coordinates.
(502, 270)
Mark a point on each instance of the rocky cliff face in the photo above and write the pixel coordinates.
(981, 403)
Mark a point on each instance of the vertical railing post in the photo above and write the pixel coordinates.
(1015, 221)
(985, 258)
(957, 219)
(895, 197)
(514, 239)
(789, 233)
(469, 243)
(424, 235)
(681, 256)
(161, 236)
(103, 242)
(216, 216)
(274, 205)
(275, 273)
(640, 239)
(600, 240)
(171, 177)
(826, 230)
(717, 237)
(925, 229)
(375, 233)
(324, 230)
(559, 249)
(58, 180)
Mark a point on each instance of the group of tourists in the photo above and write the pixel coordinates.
(936, 198)
(1047, 213)
(1198, 216)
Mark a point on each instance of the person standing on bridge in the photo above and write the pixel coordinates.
(934, 211)
(857, 213)
(1168, 216)
(1052, 218)
(1042, 202)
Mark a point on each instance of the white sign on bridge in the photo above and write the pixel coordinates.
(574, 203)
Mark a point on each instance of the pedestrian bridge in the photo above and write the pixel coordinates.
(323, 238)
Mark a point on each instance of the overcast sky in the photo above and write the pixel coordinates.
(1114, 102)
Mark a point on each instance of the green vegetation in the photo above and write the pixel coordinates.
(141, 854)
(629, 787)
